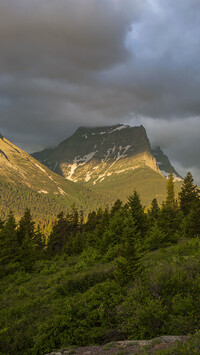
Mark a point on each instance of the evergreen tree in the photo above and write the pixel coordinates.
(1, 223)
(26, 226)
(91, 222)
(128, 264)
(73, 219)
(157, 238)
(113, 233)
(169, 221)
(153, 211)
(138, 215)
(81, 222)
(27, 254)
(116, 207)
(191, 224)
(9, 246)
(38, 241)
(170, 200)
(59, 236)
(189, 194)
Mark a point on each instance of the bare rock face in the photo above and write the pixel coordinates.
(164, 164)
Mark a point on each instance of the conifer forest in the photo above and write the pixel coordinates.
(122, 272)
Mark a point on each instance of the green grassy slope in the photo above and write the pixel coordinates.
(148, 183)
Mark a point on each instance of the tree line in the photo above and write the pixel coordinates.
(125, 231)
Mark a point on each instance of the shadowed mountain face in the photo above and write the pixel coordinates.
(164, 164)
(114, 160)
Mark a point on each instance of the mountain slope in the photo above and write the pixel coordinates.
(23, 181)
(91, 154)
(114, 160)
(164, 164)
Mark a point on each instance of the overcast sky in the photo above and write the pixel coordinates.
(66, 63)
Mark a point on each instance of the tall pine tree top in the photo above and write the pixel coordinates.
(189, 194)
(137, 211)
(170, 200)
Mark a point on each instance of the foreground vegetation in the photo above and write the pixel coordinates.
(119, 274)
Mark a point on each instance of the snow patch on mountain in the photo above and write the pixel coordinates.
(87, 177)
(79, 162)
(119, 128)
(110, 130)
(121, 154)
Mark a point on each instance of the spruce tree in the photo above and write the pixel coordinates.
(138, 215)
(170, 200)
(9, 246)
(28, 254)
(157, 238)
(191, 224)
(26, 226)
(153, 211)
(116, 207)
(189, 194)
(39, 241)
(59, 236)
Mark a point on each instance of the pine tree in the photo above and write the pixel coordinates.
(169, 221)
(38, 241)
(26, 226)
(128, 264)
(191, 224)
(189, 194)
(9, 246)
(170, 200)
(91, 222)
(27, 254)
(157, 237)
(116, 207)
(138, 215)
(1, 223)
(153, 211)
(59, 236)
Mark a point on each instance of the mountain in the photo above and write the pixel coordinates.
(112, 160)
(164, 164)
(25, 182)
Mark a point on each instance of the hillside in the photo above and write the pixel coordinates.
(112, 160)
(119, 274)
(25, 182)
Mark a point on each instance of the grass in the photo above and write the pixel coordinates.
(148, 183)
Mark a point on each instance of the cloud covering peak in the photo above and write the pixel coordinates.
(88, 62)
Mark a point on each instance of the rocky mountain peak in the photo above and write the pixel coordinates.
(113, 160)
(91, 154)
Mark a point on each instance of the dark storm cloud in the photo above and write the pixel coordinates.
(90, 62)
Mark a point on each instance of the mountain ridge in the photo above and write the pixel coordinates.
(24, 179)
(106, 158)
(97, 145)
(65, 159)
